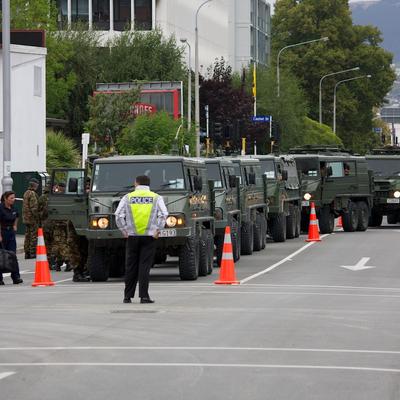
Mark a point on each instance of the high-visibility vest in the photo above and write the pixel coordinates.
(143, 210)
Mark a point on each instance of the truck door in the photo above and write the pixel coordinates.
(68, 197)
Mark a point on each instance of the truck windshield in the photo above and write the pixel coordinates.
(308, 167)
(120, 177)
(384, 167)
(238, 171)
(268, 168)
(214, 174)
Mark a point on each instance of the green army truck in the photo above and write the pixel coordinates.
(254, 210)
(283, 196)
(182, 182)
(339, 184)
(385, 164)
(227, 204)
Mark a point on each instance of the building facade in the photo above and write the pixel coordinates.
(238, 30)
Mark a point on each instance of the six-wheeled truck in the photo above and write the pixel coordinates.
(182, 182)
(227, 204)
(254, 210)
(283, 196)
(385, 164)
(339, 184)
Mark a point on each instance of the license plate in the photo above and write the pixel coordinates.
(393, 201)
(305, 203)
(165, 233)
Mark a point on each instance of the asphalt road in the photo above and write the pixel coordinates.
(300, 326)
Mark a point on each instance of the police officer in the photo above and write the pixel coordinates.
(139, 216)
(30, 216)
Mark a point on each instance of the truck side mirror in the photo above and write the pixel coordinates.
(252, 178)
(329, 171)
(198, 183)
(232, 181)
(285, 175)
(73, 185)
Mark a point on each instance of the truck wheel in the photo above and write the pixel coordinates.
(258, 233)
(375, 219)
(210, 252)
(117, 264)
(298, 222)
(247, 238)
(98, 265)
(392, 219)
(291, 223)
(363, 216)
(235, 234)
(160, 257)
(350, 218)
(189, 259)
(263, 232)
(278, 228)
(326, 220)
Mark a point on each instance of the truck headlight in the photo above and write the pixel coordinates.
(171, 221)
(396, 194)
(307, 196)
(103, 223)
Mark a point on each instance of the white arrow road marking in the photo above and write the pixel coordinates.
(5, 374)
(361, 265)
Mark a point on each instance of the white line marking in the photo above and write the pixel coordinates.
(205, 365)
(205, 348)
(21, 273)
(272, 267)
(64, 280)
(360, 266)
(5, 374)
(323, 287)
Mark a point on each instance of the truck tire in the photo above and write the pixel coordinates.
(298, 222)
(219, 245)
(259, 233)
(117, 264)
(363, 216)
(210, 241)
(350, 218)
(205, 255)
(278, 228)
(326, 220)
(236, 240)
(189, 259)
(291, 223)
(160, 257)
(375, 219)
(98, 265)
(392, 219)
(264, 231)
(247, 238)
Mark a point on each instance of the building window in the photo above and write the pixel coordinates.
(262, 16)
(101, 15)
(62, 17)
(80, 12)
(37, 81)
(262, 48)
(122, 14)
(143, 15)
(253, 43)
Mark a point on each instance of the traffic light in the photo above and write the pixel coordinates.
(217, 129)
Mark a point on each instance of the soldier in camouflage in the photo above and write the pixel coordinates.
(30, 216)
(75, 254)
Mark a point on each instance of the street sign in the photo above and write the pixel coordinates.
(378, 130)
(261, 118)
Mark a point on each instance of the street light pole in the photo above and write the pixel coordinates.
(320, 87)
(185, 41)
(278, 75)
(335, 92)
(6, 181)
(197, 80)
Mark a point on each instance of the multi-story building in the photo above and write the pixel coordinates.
(238, 30)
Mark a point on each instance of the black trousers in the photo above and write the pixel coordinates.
(140, 252)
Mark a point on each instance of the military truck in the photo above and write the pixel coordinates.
(339, 184)
(254, 210)
(227, 204)
(283, 196)
(182, 182)
(385, 164)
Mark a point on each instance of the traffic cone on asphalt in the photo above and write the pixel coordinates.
(339, 223)
(42, 271)
(227, 275)
(313, 230)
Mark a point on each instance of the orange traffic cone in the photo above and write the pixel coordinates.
(227, 275)
(42, 272)
(313, 230)
(339, 223)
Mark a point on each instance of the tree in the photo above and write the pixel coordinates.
(153, 134)
(61, 151)
(319, 134)
(110, 114)
(349, 46)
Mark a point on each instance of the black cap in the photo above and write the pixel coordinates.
(34, 180)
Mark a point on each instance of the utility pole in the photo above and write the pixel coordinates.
(6, 181)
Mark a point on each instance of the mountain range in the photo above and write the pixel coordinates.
(385, 14)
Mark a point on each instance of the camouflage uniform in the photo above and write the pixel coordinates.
(45, 222)
(59, 251)
(30, 216)
(76, 254)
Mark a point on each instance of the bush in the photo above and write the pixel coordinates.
(319, 134)
(61, 151)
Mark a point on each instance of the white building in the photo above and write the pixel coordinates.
(238, 30)
(28, 109)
